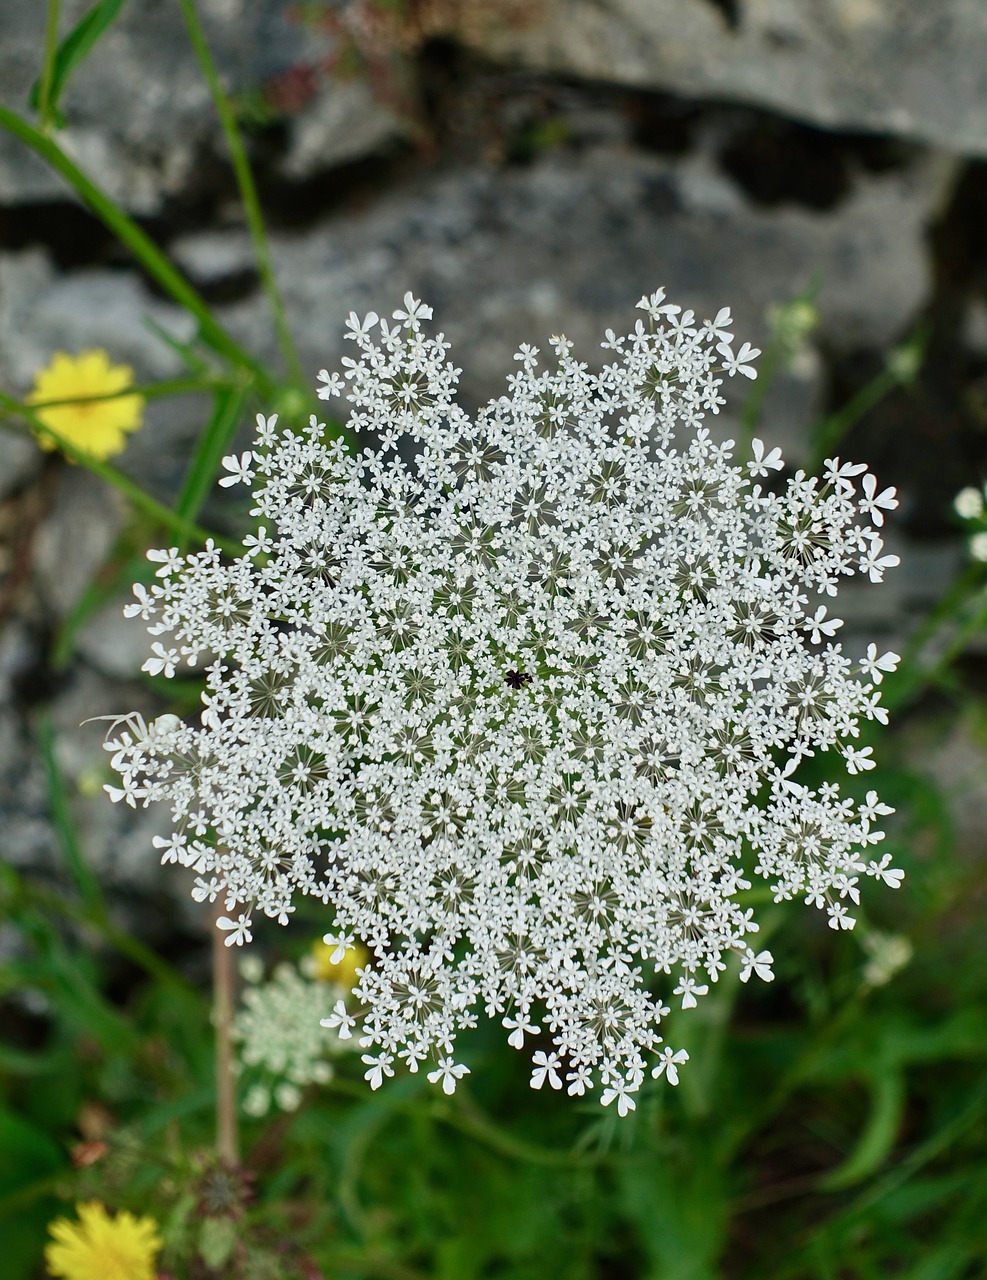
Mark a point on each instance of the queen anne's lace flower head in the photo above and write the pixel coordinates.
(522, 698)
(284, 1042)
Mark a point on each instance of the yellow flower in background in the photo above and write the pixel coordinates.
(344, 972)
(97, 427)
(98, 1247)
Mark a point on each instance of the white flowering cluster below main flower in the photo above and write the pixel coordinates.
(522, 697)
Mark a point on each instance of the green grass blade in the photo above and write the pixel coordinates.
(63, 59)
(879, 1134)
(184, 350)
(44, 103)
(213, 443)
(143, 501)
(248, 191)
(82, 874)
(147, 253)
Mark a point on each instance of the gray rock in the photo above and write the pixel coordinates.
(888, 614)
(26, 836)
(24, 277)
(139, 112)
(887, 66)
(953, 758)
(975, 327)
(99, 308)
(209, 256)
(41, 312)
(343, 122)
(20, 462)
(115, 646)
(76, 538)
(570, 243)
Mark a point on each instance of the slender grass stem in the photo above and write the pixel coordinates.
(147, 253)
(86, 880)
(142, 501)
(248, 190)
(833, 429)
(48, 69)
(96, 917)
(147, 391)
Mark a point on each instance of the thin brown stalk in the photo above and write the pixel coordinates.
(224, 980)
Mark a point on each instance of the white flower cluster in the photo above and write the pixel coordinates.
(969, 506)
(522, 698)
(280, 1034)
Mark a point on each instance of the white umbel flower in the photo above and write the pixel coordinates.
(522, 698)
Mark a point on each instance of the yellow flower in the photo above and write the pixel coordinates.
(99, 1247)
(97, 427)
(342, 974)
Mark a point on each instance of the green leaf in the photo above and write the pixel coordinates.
(27, 1154)
(73, 50)
(879, 1134)
(86, 880)
(29, 1160)
(185, 351)
(213, 443)
(217, 1238)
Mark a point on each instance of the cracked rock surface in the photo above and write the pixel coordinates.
(562, 160)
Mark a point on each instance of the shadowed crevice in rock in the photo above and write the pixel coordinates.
(37, 682)
(730, 11)
(664, 123)
(930, 438)
(959, 252)
(776, 161)
(72, 235)
(296, 206)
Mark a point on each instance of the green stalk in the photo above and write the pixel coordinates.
(48, 70)
(212, 444)
(147, 391)
(964, 607)
(835, 427)
(248, 191)
(750, 414)
(86, 881)
(143, 501)
(147, 253)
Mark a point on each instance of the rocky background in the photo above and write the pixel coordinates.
(526, 168)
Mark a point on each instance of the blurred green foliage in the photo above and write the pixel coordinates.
(825, 1127)
(830, 1126)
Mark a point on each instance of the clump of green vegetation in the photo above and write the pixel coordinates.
(832, 1124)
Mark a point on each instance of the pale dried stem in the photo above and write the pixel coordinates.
(224, 978)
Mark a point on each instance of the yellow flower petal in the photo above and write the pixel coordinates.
(98, 1247)
(96, 427)
(342, 974)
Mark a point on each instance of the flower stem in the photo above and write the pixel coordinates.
(140, 245)
(223, 977)
(248, 190)
(146, 390)
(141, 500)
(48, 70)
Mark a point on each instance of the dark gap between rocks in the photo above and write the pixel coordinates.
(73, 237)
(37, 682)
(729, 10)
(664, 123)
(777, 161)
(930, 438)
